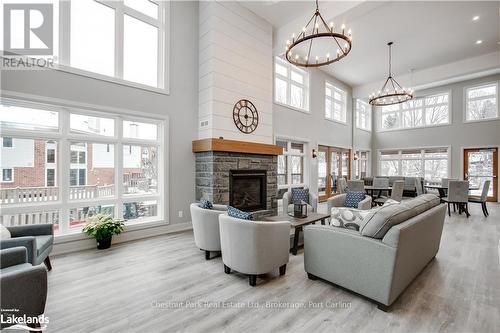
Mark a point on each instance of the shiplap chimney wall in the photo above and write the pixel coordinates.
(236, 63)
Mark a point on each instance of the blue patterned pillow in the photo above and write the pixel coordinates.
(238, 214)
(300, 194)
(352, 199)
(205, 204)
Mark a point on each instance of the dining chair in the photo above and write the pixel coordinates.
(355, 186)
(458, 193)
(341, 184)
(418, 186)
(396, 193)
(483, 198)
(380, 182)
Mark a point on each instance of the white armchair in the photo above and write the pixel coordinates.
(312, 206)
(339, 201)
(252, 247)
(206, 227)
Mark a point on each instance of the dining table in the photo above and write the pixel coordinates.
(370, 190)
(443, 189)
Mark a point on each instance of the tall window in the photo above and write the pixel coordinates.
(335, 103)
(123, 39)
(430, 163)
(361, 164)
(88, 163)
(291, 85)
(291, 164)
(363, 115)
(481, 102)
(420, 112)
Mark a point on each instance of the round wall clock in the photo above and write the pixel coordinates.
(245, 116)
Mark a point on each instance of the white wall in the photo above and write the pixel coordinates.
(180, 105)
(21, 154)
(457, 135)
(235, 60)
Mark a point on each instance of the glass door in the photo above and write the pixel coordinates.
(481, 164)
(323, 173)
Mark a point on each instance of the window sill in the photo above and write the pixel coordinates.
(105, 78)
(412, 128)
(293, 108)
(465, 121)
(336, 121)
(364, 129)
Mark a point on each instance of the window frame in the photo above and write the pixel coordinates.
(289, 82)
(11, 142)
(422, 159)
(399, 112)
(357, 162)
(11, 176)
(288, 154)
(121, 10)
(64, 137)
(368, 114)
(333, 101)
(466, 99)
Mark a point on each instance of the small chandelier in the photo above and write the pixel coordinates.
(298, 50)
(391, 92)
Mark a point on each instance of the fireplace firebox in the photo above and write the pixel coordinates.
(248, 189)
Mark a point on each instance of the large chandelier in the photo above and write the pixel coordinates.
(391, 92)
(318, 44)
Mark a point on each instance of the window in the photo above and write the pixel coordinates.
(104, 171)
(481, 102)
(291, 85)
(291, 164)
(430, 163)
(420, 112)
(335, 103)
(7, 142)
(32, 119)
(7, 175)
(123, 39)
(361, 164)
(363, 115)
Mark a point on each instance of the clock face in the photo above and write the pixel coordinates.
(245, 116)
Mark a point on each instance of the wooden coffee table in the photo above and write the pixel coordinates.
(298, 223)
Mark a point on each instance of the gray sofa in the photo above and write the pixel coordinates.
(24, 286)
(38, 240)
(394, 244)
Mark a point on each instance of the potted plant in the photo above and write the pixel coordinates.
(103, 227)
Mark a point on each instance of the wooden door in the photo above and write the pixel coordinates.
(333, 162)
(481, 164)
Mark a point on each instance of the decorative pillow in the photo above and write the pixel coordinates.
(238, 214)
(352, 199)
(345, 217)
(300, 194)
(205, 204)
(4, 232)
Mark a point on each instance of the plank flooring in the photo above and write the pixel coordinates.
(164, 284)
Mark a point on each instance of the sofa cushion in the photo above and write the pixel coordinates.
(352, 199)
(342, 215)
(238, 214)
(205, 204)
(43, 242)
(378, 222)
(300, 194)
(4, 232)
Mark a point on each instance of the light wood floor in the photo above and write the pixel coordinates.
(128, 289)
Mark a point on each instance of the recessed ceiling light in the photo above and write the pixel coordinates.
(479, 41)
(475, 18)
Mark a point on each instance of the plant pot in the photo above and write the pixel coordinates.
(104, 243)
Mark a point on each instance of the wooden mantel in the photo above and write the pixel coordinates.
(234, 146)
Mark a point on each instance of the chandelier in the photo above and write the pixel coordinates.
(391, 92)
(311, 40)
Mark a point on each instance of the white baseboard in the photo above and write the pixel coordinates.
(86, 242)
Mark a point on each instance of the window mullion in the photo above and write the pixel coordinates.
(64, 32)
(119, 37)
(64, 167)
(119, 168)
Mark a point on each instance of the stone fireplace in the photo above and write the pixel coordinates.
(241, 174)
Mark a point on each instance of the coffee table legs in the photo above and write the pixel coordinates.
(296, 240)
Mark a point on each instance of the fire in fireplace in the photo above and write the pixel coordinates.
(247, 189)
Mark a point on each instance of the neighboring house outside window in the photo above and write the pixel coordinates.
(291, 85)
(481, 102)
(335, 103)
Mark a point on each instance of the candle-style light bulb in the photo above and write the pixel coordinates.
(328, 56)
(343, 28)
(306, 58)
(296, 56)
(317, 58)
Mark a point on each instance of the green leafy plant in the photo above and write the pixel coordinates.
(102, 226)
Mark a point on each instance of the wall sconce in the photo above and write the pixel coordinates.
(314, 153)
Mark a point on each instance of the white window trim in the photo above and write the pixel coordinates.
(379, 112)
(120, 9)
(465, 100)
(12, 176)
(343, 103)
(305, 86)
(369, 115)
(63, 204)
(305, 163)
(422, 158)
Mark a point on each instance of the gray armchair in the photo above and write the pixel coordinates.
(252, 247)
(206, 227)
(24, 286)
(38, 240)
(288, 204)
